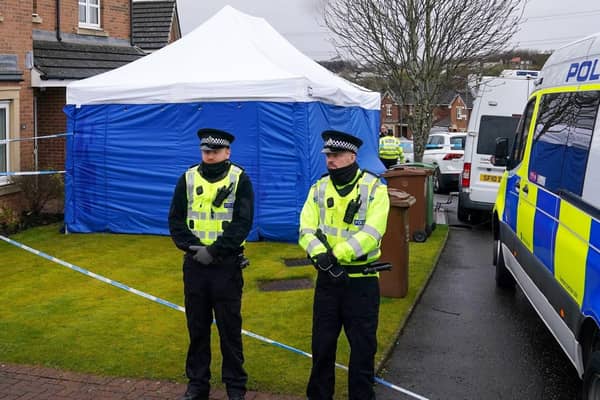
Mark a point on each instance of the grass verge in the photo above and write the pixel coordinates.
(53, 316)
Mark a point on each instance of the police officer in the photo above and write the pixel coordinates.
(210, 217)
(390, 151)
(341, 226)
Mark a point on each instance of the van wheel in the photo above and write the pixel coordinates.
(438, 186)
(504, 279)
(591, 378)
(462, 213)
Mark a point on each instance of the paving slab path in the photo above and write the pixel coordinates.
(22, 382)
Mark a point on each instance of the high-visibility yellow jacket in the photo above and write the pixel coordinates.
(205, 219)
(389, 148)
(355, 243)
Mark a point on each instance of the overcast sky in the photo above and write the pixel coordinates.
(549, 23)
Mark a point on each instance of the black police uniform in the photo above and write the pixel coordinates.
(216, 287)
(341, 299)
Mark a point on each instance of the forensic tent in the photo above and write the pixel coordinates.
(134, 128)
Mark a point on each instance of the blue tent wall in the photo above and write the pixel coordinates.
(123, 161)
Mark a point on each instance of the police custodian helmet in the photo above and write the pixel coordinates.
(337, 142)
(214, 139)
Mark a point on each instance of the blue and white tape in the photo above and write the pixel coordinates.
(5, 141)
(30, 173)
(182, 309)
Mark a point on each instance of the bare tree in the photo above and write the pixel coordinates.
(420, 44)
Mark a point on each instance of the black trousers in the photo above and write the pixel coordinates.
(353, 305)
(388, 163)
(216, 288)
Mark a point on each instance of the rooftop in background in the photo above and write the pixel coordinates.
(153, 22)
(78, 59)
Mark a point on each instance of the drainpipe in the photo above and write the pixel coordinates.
(58, 37)
(35, 133)
(131, 22)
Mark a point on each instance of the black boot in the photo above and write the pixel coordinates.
(192, 395)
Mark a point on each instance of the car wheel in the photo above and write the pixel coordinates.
(504, 279)
(591, 378)
(438, 186)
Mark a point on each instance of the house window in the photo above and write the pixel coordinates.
(388, 110)
(4, 148)
(460, 113)
(89, 13)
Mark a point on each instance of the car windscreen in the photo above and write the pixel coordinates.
(407, 147)
(493, 127)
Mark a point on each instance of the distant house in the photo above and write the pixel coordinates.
(451, 113)
(155, 24)
(48, 44)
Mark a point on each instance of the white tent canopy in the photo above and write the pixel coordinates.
(231, 57)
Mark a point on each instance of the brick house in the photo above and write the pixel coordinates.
(44, 45)
(451, 113)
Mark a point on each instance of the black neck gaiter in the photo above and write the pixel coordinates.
(343, 176)
(214, 172)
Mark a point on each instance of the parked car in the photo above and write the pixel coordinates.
(445, 151)
(496, 112)
(407, 148)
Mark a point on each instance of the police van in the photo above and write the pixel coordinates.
(497, 107)
(546, 219)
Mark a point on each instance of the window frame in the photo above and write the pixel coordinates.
(388, 110)
(88, 8)
(521, 136)
(5, 105)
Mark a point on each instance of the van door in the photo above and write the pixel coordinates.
(485, 176)
(559, 158)
(516, 168)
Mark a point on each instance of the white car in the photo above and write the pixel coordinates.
(407, 149)
(445, 151)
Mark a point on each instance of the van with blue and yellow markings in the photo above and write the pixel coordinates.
(546, 219)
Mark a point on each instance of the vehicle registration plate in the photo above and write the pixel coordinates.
(490, 178)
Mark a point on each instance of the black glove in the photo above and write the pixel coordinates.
(325, 261)
(201, 254)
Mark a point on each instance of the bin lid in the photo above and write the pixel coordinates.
(418, 165)
(398, 198)
(406, 171)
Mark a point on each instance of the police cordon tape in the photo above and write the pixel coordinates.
(5, 141)
(29, 173)
(182, 309)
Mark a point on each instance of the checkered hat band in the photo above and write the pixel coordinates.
(213, 141)
(340, 144)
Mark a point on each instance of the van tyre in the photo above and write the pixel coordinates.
(504, 279)
(438, 185)
(462, 213)
(591, 378)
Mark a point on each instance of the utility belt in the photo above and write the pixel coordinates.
(240, 259)
(367, 269)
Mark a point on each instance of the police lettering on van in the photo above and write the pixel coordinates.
(546, 218)
(584, 71)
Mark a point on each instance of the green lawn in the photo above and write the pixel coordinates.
(56, 317)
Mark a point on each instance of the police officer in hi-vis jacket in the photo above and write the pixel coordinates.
(341, 227)
(210, 217)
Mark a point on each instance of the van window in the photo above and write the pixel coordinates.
(518, 148)
(457, 142)
(491, 127)
(562, 140)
